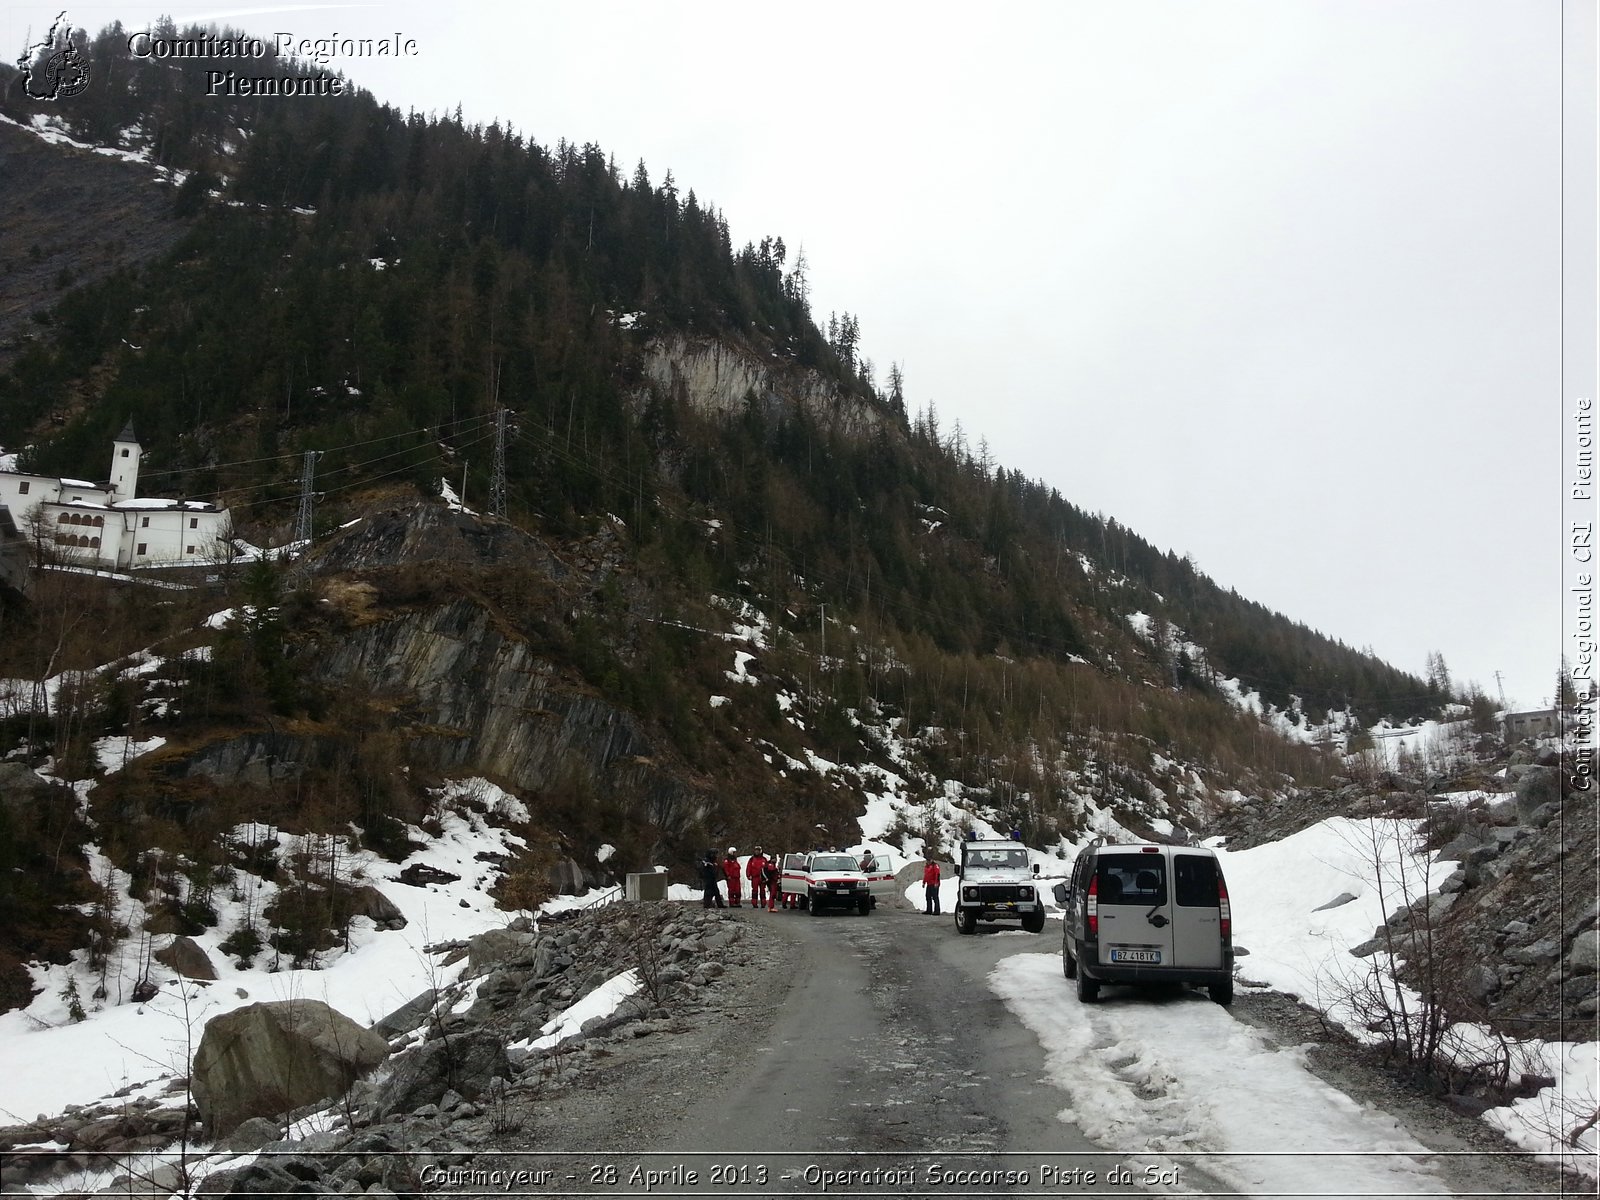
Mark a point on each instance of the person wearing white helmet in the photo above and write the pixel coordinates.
(730, 869)
(756, 872)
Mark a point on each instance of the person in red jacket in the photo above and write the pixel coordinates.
(730, 870)
(930, 888)
(756, 872)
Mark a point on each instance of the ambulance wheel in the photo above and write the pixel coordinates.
(863, 907)
(1222, 993)
(1088, 989)
(816, 910)
(965, 921)
(1033, 922)
(1069, 965)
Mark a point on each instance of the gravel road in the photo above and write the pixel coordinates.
(873, 1045)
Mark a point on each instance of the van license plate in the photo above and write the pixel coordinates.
(1136, 956)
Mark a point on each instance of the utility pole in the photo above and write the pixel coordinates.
(822, 624)
(497, 476)
(308, 468)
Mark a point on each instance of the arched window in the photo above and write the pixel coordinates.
(61, 518)
(94, 543)
(98, 522)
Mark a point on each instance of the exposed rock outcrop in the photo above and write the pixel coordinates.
(716, 377)
(489, 705)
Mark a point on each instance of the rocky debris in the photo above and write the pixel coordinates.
(263, 1059)
(185, 957)
(86, 1133)
(473, 1077)
(460, 1062)
(407, 1017)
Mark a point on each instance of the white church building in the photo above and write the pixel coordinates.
(109, 524)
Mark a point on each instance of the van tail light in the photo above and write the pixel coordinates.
(1224, 911)
(1092, 910)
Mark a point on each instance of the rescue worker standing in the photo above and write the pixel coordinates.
(930, 888)
(710, 877)
(773, 875)
(730, 869)
(756, 872)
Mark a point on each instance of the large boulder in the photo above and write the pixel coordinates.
(23, 792)
(1536, 788)
(494, 946)
(186, 958)
(368, 901)
(266, 1059)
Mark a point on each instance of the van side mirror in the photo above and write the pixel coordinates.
(1035, 868)
(958, 870)
(1060, 893)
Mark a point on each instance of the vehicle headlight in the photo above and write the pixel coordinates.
(1025, 893)
(969, 893)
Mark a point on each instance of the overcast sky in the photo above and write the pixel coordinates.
(1276, 284)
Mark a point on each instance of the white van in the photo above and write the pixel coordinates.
(1147, 913)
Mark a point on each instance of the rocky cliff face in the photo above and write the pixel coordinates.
(718, 378)
(482, 702)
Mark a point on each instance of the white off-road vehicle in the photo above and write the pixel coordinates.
(835, 880)
(997, 884)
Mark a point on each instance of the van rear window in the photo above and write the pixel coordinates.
(1133, 879)
(1194, 880)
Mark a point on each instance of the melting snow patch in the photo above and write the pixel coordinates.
(453, 501)
(1143, 1073)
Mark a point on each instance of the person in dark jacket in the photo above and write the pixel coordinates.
(710, 877)
(774, 878)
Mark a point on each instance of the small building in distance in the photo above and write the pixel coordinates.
(1535, 723)
(109, 524)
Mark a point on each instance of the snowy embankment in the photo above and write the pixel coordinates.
(131, 1049)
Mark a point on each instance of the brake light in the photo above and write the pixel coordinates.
(1092, 909)
(1225, 912)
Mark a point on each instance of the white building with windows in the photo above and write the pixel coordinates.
(109, 524)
